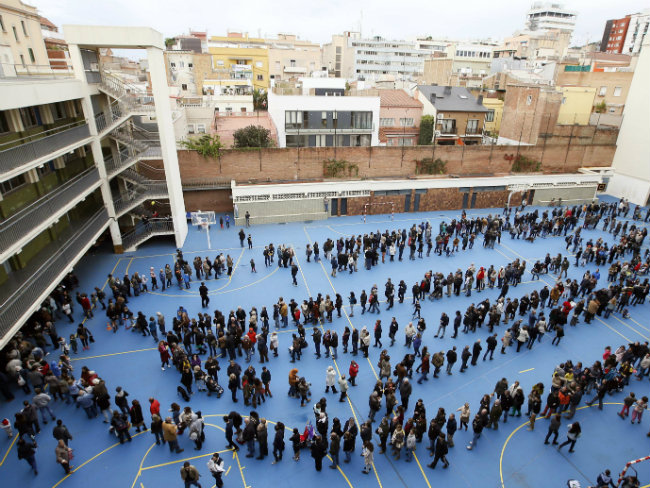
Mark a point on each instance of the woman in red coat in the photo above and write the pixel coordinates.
(353, 371)
(164, 354)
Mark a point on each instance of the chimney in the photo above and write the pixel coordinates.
(432, 97)
(447, 90)
(480, 99)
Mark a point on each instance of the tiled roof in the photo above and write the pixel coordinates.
(397, 98)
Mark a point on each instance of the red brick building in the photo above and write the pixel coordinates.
(399, 118)
(614, 35)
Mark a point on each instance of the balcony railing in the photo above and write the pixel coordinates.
(10, 72)
(330, 130)
(128, 156)
(26, 288)
(138, 195)
(40, 145)
(17, 226)
(143, 231)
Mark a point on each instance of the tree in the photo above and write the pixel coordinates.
(253, 136)
(427, 124)
(260, 99)
(601, 107)
(169, 42)
(207, 145)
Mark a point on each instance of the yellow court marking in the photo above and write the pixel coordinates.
(202, 251)
(241, 470)
(113, 354)
(422, 470)
(128, 266)
(505, 444)
(646, 328)
(140, 467)
(526, 370)
(613, 329)
(9, 449)
(227, 471)
(185, 459)
(630, 327)
(92, 459)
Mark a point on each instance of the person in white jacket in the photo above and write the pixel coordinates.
(410, 334)
(330, 380)
(216, 467)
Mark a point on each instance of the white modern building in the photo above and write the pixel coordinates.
(631, 164)
(326, 117)
(71, 160)
(637, 31)
(548, 15)
(378, 57)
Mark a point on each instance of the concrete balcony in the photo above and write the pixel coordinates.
(144, 231)
(329, 130)
(29, 222)
(33, 151)
(25, 289)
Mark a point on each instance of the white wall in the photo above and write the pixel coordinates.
(631, 164)
(316, 82)
(26, 93)
(279, 104)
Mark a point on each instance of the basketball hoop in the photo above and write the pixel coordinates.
(202, 221)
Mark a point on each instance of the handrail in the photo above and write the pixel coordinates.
(42, 135)
(43, 273)
(9, 71)
(142, 231)
(138, 195)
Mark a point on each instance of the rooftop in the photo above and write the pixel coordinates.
(451, 98)
(397, 98)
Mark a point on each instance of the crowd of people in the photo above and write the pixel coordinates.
(194, 345)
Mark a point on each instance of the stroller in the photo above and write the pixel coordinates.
(307, 437)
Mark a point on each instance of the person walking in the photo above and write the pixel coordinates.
(216, 467)
(41, 401)
(203, 291)
(170, 435)
(61, 433)
(190, 475)
(477, 427)
(63, 456)
(553, 428)
(27, 450)
(573, 433)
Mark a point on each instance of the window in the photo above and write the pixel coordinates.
(4, 123)
(472, 127)
(201, 127)
(386, 122)
(448, 126)
(323, 117)
(278, 65)
(362, 120)
(28, 117)
(172, 64)
(406, 122)
(32, 58)
(12, 184)
(338, 50)
(602, 91)
(563, 100)
(183, 86)
(220, 62)
(58, 111)
(292, 63)
(22, 60)
(190, 128)
(489, 117)
(321, 140)
(2, 24)
(190, 65)
(13, 27)
(617, 91)
(22, 23)
(260, 77)
(292, 119)
(529, 99)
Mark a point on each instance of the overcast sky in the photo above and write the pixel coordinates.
(317, 20)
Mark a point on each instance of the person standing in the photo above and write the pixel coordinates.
(572, 436)
(216, 467)
(170, 435)
(553, 428)
(368, 456)
(190, 475)
(61, 433)
(41, 401)
(318, 450)
(278, 443)
(63, 456)
(335, 447)
(203, 291)
(477, 427)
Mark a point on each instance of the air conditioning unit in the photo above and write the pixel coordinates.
(440, 116)
(438, 133)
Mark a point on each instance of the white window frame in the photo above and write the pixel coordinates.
(617, 91)
(602, 91)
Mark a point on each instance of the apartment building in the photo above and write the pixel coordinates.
(72, 166)
(576, 105)
(459, 116)
(462, 64)
(324, 115)
(612, 86)
(22, 49)
(377, 57)
(291, 57)
(338, 56)
(399, 118)
(241, 57)
(539, 46)
(548, 16)
(625, 35)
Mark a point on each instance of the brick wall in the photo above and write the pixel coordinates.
(216, 200)
(306, 164)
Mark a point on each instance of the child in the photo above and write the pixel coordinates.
(253, 270)
(367, 454)
(639, 407)
(6, 426)
(627, 403)
(626, 313)
(73, 343)
(295, 441)
(63, 345)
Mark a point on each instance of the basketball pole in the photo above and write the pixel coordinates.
(207, 233)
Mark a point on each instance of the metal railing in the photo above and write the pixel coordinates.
(206, 184)
(18, 225)
(24, 290)
(143, 231)
(136, 196)
(41, 144)
(128, 156)
(10, 72)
